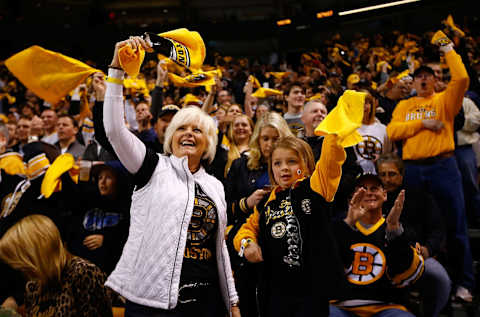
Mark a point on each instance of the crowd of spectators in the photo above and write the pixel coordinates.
(409, 190)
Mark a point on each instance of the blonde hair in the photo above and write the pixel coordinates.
(269, 119)
(193, 115)
(34, 246)
(301, 148)
(233, 152)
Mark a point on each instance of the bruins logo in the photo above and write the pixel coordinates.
(368, 264)
(278, 230)
(369, 147)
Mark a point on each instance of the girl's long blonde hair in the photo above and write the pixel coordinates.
(34, 246)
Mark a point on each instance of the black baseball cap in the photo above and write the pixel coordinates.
(423, 69)
(365, 175)
(168, 109)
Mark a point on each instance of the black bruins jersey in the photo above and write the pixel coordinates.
(376, 269)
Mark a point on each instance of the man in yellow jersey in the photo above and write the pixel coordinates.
(424, 124)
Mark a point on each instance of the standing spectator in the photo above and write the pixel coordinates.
(165, 116)
(290, 232)
(425, 125)
(23, 133)
(12, 134)
(49, 117)
(394, 90)
(175, 261)
(67, 129)
(312, 116)
(145, 131)
(294, 96)
(467, 161)
(247, 183)
(374, 134)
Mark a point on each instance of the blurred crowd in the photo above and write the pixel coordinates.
(425, 154)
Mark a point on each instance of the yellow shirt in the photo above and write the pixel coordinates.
(406, 124)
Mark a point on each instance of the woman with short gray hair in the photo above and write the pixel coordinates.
(175, 261)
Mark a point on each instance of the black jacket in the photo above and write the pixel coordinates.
(421, 219)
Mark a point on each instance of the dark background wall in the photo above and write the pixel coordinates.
(88, 30)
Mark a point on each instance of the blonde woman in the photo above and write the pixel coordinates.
(239, 133)
(59, 284)
(247, 183)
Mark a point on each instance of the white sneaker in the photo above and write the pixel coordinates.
(464, 294)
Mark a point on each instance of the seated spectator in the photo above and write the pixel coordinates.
(58, 283)
(378, 259)
(100, 228)
(425, 228)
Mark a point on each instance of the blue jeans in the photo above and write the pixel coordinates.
(337, 312)
(467, 163)
(443, 180)
(435, 287)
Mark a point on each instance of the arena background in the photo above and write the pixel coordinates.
(88, 29)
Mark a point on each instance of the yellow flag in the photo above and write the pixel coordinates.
(50, 75)
(345, 118)
(265, 92)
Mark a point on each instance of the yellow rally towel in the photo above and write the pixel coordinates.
(12, 163)
(137, 84)
(345, 118)
(449, 22)
(196, 79)
(51, 181)
(190, 99)
(279, 75)
(254, 80)
(131, 60)
(266, 92)
(50, 75)
(317, 96)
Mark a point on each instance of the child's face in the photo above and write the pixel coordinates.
(287, 167)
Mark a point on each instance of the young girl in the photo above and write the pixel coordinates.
(289, 230)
